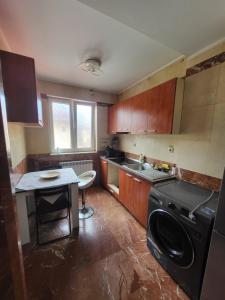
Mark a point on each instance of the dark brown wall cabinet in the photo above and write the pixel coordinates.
(23, 101)
(152, 111)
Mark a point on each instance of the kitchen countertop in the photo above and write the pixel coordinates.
(150, 175)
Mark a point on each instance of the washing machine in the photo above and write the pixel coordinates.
(179, 231)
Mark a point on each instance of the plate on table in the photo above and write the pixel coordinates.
(50, 175)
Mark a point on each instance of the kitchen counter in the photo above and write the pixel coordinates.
(151, 175)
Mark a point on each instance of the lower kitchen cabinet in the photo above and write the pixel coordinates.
(104, 172)
(133, 194)
(125, 188)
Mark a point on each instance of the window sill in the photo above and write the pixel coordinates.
(73, 153)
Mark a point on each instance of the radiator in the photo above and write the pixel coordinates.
(79, 166)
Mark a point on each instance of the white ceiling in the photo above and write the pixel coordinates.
(133, 38)
(184, 25)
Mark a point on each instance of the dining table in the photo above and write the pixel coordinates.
(25, 191)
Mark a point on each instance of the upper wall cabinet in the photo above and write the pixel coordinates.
(20, 87)
(157, 110)
(112, 123)
(120, 117)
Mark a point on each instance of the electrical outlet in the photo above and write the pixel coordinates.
(171, 148)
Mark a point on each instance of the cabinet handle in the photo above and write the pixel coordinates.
(151, 130)
(138, 180)
(128, 175)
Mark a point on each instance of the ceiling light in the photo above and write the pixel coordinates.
(92, 66)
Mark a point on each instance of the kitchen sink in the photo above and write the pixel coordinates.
(123, 161)
(134, 166)
(141, 169)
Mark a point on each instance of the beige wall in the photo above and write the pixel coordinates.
(17, 143)
(200, 146)
(16, 132)
(73, 92)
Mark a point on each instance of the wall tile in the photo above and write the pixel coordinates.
(221, 85)
(201, 89)
(198, 121)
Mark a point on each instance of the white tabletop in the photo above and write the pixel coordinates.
(32, 181)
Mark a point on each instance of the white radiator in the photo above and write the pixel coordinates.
(79, 166)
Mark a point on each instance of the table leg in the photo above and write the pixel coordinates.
(74, 206)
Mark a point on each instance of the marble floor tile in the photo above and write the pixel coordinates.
(107, 259)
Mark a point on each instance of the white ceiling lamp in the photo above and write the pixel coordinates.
(92, 66)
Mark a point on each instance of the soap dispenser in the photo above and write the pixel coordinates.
(141, 158)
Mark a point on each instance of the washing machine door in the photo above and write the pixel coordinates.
(171, 237)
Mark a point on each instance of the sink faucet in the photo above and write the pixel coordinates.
(141, 158)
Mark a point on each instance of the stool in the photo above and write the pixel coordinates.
(86, 180)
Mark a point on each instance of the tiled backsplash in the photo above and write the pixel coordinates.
(205, 181)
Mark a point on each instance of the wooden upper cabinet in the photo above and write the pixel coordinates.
(124, 116)
(140, 110)
(166, 107)
(153, 99)
(157, 110)
(112, 127)
(19, 80)
(120, 117)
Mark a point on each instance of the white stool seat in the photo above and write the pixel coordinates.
(86, 179)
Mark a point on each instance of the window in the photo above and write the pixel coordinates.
(73, 125)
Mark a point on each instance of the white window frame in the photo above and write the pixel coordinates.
(73, 125)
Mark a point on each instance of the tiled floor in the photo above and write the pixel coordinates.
(109, 259)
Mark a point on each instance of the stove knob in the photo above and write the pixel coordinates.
(171, 205)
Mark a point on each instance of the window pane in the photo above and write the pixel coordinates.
(61, 125)
(84, 126)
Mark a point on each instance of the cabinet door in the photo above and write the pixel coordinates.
(139, 113)
(19, 80)
(140, 200)
(127, 115)
(166, 106)
(120, 115)
(104, 172)
(124, 116)
(112, 122)
(125, 188)
(153, 98)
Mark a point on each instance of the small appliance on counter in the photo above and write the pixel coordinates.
(111, 152)
(180, 220)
